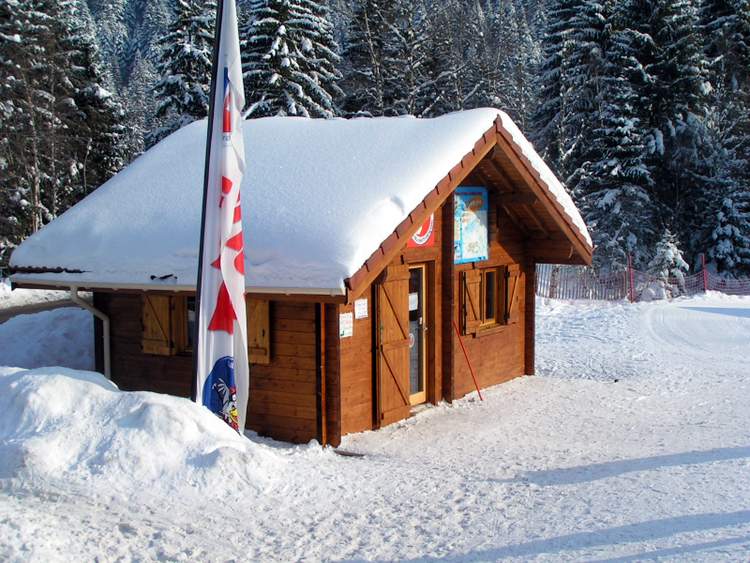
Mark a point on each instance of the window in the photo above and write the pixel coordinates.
(169, 326)
(190, 317)
(489, 298)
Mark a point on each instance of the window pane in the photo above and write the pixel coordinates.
(190, 320)
(490, 295)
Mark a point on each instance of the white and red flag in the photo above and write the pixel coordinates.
(222, 378)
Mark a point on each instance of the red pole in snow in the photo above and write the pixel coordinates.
(466, 355)
(705, 273)
(631, 279)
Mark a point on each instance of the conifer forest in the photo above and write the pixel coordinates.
(641, 107)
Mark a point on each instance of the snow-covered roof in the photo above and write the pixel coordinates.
(319, 197)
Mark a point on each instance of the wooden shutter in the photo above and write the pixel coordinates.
(258, 331)
(393, 345)
(514, 294)
(157, 325)
(471, 300)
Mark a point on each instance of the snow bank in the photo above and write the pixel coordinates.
(21, 297)
(62, 337)
(77, 428)
(567, 466)
(319, 197)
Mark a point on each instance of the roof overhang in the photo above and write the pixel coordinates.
(35, 281)
(574, 250)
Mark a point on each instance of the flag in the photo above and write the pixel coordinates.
(222, 378)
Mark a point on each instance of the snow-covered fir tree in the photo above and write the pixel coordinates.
(406, 58)
(614, 184)
(365, 75)
(546, 124)
(517, 54)
(722, 225)
(581, 74)
(184, 68)
(726, 232)
(677, 87)
(64, 135)
(290, 60)
(668, 264)
(453, 31)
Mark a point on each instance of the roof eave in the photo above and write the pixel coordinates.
(494, 136)
(33, 282)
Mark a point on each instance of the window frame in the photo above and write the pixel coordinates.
(500, 287)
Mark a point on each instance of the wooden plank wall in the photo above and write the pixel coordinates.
(357, 362)
(132, 370)
(500, 354)
(357, 372)
(283, 398)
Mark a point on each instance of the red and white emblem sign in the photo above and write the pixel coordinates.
(425, 236)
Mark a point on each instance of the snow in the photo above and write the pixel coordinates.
(61, 337)
(76, 428)
(631, 444)
(11, 299)
(319, 197)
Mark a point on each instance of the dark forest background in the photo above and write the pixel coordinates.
(642, 107)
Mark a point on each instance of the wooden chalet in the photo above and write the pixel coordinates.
(454, 264)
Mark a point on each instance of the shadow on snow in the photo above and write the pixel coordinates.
(596, 471)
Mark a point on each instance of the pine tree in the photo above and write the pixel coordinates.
(547, 120)
(452, 83)
(614, 184)
(290, 59)
(112, 34)
(364, 60)
(726, 221)
(726, 29)
(518, 54)
(722, 206)
(668, 263)
(582, 69)
(182, 92)
(64, 132)
(405, 60)
(677, 90)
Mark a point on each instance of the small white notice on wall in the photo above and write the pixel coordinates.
(346, 325)
(360, 309)
(413, 301)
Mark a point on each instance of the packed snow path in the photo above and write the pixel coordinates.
(632, 443)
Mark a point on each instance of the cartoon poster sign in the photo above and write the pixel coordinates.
(425, 236)
(470, 241)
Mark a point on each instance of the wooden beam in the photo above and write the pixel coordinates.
(517, 198)
(552, 251)
(517, 222)
(390, 248)
(505, 180)
(534, 217)
(532, 178)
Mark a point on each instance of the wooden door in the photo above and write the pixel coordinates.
(393, 345)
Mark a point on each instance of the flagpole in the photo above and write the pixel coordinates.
(209, 141)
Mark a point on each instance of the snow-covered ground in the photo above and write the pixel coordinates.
(22, 297)
(633, 443)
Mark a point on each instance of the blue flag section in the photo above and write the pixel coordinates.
(220, 392)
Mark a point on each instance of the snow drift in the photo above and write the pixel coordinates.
(76, 427)
(62, 337)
